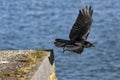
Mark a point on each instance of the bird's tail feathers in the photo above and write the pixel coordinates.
(61, 42)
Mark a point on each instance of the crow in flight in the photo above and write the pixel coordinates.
(79, 33)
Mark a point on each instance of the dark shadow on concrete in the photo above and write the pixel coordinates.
(51, 57)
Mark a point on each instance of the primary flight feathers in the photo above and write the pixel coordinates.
(81, 27)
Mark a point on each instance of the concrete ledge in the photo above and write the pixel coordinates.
(42, 68)
(46, 70)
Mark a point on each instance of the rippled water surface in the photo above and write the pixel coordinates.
(34, 24)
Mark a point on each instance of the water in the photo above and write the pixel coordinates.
(34, 24)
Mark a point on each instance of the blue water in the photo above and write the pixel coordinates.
(34, 24)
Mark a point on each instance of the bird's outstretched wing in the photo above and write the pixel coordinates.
(81, 27)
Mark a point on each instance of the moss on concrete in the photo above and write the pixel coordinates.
(27, 65)
(52, 76)
(20, 64)
(30, 62)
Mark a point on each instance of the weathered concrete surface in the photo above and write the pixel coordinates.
(44, 68)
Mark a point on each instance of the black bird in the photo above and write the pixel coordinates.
(79, 33)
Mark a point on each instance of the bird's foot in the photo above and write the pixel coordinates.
(63, 49)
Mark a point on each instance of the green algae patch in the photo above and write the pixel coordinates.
(38, 53)
(21, 64)
(53, 76)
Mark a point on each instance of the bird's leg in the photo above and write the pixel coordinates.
(63, 49)
(66, 43)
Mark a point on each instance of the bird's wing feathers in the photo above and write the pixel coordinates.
(81, 27)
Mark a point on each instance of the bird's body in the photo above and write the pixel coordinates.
(79, 33)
